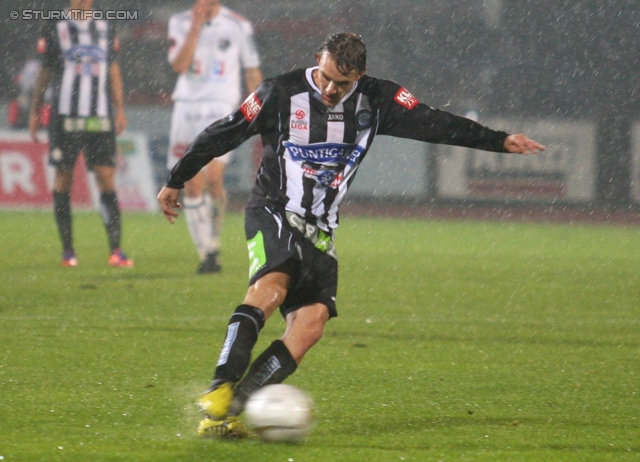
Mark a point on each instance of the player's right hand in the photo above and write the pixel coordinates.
(520, 144)
(168, 200)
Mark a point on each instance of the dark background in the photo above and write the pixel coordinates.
(518, 58)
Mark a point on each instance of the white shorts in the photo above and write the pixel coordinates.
(188, 119)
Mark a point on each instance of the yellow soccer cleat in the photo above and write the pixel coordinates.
(230, 428)
(216, 402)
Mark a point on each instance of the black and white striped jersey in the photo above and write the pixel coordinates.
(312, 152)
(79, 54)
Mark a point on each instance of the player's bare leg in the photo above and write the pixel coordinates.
(261, 301)
(304, 329)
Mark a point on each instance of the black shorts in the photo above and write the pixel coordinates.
(281, 241)
(65, 145)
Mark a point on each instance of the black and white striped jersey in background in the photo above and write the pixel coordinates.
(311, 152)
(79, 54)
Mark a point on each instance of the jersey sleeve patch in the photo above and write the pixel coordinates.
(405, 98)
(251, 107)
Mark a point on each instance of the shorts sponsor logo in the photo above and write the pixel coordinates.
(257, 254)
(405, 98)
(251, 107)
(87, 124)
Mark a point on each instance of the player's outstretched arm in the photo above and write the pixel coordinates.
(520, 144)
(168, 200)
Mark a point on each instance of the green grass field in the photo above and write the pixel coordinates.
(455, 341)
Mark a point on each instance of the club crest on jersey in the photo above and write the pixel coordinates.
(405, 98)
(364, 119)
(251, 107)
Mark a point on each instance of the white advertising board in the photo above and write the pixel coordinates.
(564, 172)
(26, 179)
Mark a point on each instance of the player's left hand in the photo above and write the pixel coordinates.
(120, 121)
(168, 199)
(520, 144)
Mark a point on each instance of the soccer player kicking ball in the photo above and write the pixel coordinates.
(316, 125)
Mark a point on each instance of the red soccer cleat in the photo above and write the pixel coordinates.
(69, 259)
(120, 260)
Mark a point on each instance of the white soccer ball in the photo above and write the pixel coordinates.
(280, 413)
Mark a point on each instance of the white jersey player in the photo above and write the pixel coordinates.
(211, 47)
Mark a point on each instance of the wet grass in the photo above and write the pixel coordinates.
(455, 341)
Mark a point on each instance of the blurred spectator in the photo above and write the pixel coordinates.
(19, 107)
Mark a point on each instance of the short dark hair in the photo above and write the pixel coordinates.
(347, 50)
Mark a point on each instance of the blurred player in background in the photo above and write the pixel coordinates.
(79, 60)
(317, 125)
(209, 46)
(19, 108)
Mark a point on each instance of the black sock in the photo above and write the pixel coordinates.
(110, 212)
(274, 365)
(242, 333)
(62, 214)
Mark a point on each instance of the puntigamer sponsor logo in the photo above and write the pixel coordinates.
(325, 153)
(76, 15)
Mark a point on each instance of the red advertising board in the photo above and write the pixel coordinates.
(26, 180)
